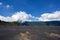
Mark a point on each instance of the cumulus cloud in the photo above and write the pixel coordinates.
(23, 16)
(19, 16)
(55, 16)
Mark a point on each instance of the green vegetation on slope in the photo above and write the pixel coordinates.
(9, 23)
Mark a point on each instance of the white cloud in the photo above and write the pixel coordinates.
(5, 18)
(1, 3)
(55, 16)
(23, 16)
(18, 16)
(7, 6)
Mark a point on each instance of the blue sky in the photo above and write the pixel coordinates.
(33, 7)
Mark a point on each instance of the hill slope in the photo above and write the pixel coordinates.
(47, 23)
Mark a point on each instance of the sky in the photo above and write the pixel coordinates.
(29, 10)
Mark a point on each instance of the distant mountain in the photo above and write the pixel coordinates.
(47, 23)
(9, 23)
(54, 23)
(34, 23)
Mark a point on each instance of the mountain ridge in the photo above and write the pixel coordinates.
(27, 23)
